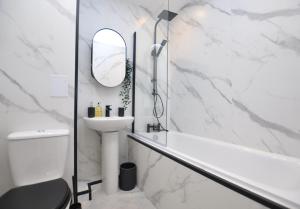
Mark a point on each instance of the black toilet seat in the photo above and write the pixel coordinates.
(54, 194)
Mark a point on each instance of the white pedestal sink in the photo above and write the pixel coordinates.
(109, 128)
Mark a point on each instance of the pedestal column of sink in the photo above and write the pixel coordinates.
(110, 161)
(109, 128)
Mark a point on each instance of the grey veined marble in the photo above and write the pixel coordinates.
(37, 40)
(234, 72)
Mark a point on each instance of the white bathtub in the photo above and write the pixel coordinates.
(272, 176)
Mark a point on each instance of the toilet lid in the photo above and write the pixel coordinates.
(53, 194)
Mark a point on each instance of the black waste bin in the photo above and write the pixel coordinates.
(127, 177)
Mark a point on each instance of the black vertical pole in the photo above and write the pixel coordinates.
(75, 177)
(133, 78)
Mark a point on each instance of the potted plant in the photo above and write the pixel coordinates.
(125, 89)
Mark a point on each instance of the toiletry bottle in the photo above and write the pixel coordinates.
(101, 110)
(91, 111)
(98, 110)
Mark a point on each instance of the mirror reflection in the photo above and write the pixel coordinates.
(108, 58)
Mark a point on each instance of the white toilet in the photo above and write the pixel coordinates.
(37, 162)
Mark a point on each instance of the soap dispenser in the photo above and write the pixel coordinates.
(91, 111)
(98, 110)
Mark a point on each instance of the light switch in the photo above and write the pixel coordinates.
(59, 85)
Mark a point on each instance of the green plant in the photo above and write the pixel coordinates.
(126, 85)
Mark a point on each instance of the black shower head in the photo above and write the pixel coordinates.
(156, 52)
(163, 43)
(167, 15)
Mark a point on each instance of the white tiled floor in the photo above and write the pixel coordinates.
(134, 199)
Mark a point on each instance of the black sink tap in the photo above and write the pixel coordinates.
(107, 110)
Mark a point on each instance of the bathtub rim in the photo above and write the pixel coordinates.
(255, 196)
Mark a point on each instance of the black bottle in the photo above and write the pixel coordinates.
(91, 111)
(121, 111)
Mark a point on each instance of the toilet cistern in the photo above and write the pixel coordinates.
(30, 151)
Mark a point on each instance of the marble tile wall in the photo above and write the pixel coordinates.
(37, 40)
(169, 185)
(126, 17)
(234, 72)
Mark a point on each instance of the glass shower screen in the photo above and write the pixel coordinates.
(152, 75)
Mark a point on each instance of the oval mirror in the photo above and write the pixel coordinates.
(108, 58)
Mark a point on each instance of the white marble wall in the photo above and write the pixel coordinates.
(37, 40)
(169, 185)
(235, 75)
(126, 17)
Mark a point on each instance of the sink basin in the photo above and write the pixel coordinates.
(108, 128)
(108, 124)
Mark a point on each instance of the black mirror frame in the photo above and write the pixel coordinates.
(92, 54)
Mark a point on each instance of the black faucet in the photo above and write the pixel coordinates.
(107, 110)
(154, 127)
